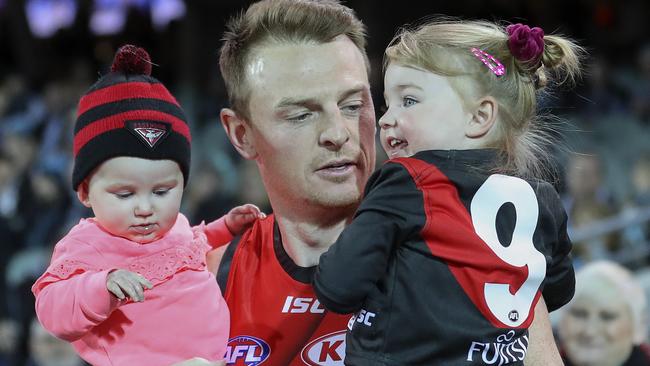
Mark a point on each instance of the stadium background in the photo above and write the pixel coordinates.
(51, 51)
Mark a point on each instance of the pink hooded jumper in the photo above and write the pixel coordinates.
(182, 316)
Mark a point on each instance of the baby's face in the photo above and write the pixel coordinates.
(423, 113)
(137, 199)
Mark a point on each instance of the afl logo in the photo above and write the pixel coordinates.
(513, 315)
(247, 351)
(328, 350)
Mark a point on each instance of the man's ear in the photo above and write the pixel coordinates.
(483, 117)
(82, 193)
(238, 131)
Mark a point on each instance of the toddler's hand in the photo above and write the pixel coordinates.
(241, 217)
(123, 284)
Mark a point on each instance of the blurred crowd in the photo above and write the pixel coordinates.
(603, 163)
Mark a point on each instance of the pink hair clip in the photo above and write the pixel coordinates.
(490, 61)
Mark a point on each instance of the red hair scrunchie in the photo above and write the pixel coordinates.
(526, 44)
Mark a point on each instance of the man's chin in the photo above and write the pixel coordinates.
(338, 200)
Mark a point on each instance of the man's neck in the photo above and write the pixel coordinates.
(305, 241)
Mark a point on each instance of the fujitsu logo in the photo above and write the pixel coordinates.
(507, 349)
(149, 132)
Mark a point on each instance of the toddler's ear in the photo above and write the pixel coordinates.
(82, 193)
(483, 117)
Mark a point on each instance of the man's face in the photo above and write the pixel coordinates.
(312, 123)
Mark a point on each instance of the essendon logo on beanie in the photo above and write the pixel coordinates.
(149, 132)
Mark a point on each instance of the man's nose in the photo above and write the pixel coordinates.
(336, 133)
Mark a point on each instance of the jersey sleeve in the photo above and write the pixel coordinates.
(71, 296)
(389, 214)
(559, 285)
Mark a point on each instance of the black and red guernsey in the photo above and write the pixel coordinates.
(276, 319)
(445, 262)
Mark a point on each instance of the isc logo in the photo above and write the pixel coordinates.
(302, 305)
(247, 351)
(328, 350)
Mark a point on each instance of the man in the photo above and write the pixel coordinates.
(297, 78)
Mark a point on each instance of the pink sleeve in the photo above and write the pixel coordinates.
(217, 232)
(70, 308)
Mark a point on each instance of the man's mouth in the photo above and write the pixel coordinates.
(337, 169)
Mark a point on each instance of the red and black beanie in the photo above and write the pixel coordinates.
(129, 113)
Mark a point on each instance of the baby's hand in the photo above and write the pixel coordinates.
(241, 217)
(123, 284)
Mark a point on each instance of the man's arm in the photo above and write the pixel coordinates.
(542, 349)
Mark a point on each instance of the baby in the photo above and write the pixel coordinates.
(130, 285)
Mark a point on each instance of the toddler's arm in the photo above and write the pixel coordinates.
(235, 222)
(390, 212)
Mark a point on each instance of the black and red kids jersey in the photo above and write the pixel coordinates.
(445, 262)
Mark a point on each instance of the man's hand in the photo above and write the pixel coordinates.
(241, 217)
(198, 361)
(123, 284)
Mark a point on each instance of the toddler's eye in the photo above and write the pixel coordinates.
(408, 101)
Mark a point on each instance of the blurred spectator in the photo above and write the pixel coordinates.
(587, 200)
(599, 92)
(637, 235)
(251, 188)
(641, 180)
(205, 198)
(8, 340)
(47, 350)
(10, 232)
(636, 81)
(21, 110)
(606, 322)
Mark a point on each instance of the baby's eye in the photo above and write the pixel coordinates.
(123, 195)
(161, 192)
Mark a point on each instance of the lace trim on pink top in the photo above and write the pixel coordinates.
(163, 265)
(68, 267)
(156, 267)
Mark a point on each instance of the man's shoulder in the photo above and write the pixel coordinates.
(242, 249)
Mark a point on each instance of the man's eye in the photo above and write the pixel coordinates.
(352, 108)
(299, 118)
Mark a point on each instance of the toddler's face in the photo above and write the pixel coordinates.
(423, 113)
(137, 199)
